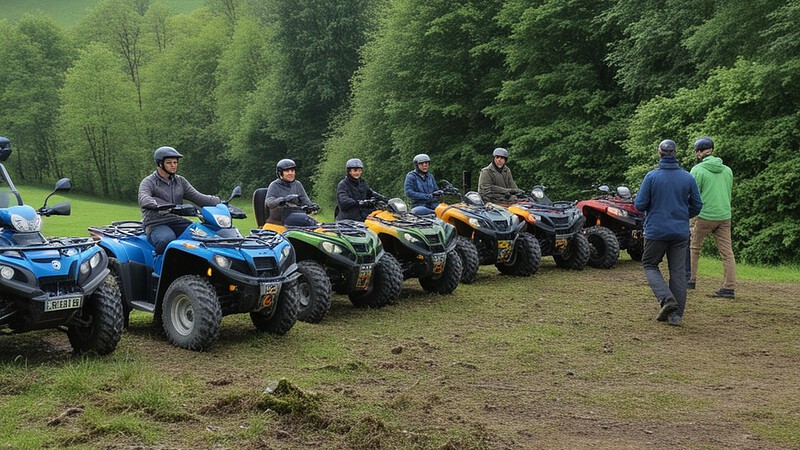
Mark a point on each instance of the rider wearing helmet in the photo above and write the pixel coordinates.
(286, 195)
(421, 188)
(162, 188)
(495, 183)
(354, 198)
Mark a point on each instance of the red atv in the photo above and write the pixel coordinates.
(612, 224)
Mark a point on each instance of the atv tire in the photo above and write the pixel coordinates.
(281, 319)
(191, 314)
(313, 292)
(577, 254)
(525, 259)
(385, 286)
(603, 246)
(636, 250)
(470, 260)
(102, 312)
(448, 281)
(127, 307)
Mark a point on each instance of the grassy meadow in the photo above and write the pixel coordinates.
(70, 12)
(563, 359)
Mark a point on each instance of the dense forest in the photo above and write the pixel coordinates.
(579, 91)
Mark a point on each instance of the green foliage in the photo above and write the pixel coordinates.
(99, 122)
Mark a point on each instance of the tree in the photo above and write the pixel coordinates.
(99, 133)
(37, 53)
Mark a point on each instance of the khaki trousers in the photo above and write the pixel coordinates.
(721, 229)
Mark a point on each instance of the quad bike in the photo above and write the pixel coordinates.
(557, 227)
(425, 247)
(345, 257)
(48, 283)
(614, 211)
(496, 234)
(208, 272)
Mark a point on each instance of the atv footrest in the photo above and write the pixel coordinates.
(144, 306)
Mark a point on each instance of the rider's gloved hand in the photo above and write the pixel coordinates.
(437, 193)
(366, 202)
(380, 197)
(291, 198)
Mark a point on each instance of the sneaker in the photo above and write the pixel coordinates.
(691, 284)
(668, 306)
(724, 293)
(674, 319)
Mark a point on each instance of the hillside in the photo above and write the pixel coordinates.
(69, 12)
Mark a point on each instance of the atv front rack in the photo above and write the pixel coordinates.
(120, 229)
(60, 244)
(408, 220)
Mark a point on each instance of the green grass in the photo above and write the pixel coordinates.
(70, 12)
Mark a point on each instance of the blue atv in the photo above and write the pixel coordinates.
(51, 283)
(208, 272)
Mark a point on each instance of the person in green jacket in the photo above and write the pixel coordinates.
(495, 183)
(715, 181)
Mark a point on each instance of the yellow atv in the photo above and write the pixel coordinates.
(425, 247)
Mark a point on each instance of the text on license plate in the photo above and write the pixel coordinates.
(63, 303)
(364, 276)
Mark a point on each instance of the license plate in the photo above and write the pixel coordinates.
(63, 303)
(439, 261)
(269, 292)
(504, 250)
(364, 277)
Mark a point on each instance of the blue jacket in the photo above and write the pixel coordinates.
(418, 189)
(669, 198)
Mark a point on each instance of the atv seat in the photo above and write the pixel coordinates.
(260, 206)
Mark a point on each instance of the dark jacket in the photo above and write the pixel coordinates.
(155, 191)
(669, 198)
(348, 193)
(276, 199)
(418, 188)
(496, 185)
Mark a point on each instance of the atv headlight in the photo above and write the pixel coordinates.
(477, 223)
(222, 261)
(514, 220)
(617, 211)
(6, 272)
(94, 260)
(23, 224)
(332, 248)
(222, 220)
(537, 217)
(85, 267)
(287, 250)
(411, 238)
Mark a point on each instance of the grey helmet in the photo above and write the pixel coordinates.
(354, 163)
(703, 143)
(667, 146)
(283, 165)
(499, 151)
(165, 152)
(421, 158)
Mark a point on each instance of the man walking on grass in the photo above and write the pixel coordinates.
(669, 198)
(715, 181)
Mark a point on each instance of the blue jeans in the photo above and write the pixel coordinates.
(161, 235)
(422, 211)
(675, 251)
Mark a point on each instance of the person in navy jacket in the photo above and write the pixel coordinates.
(669, 198)
(421, 188)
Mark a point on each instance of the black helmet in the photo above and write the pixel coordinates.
(283, 165)
(5, 148)
(354, 163)
(667, 146)
(165, 152)
(703, 143)
(499, 151)
(421, 158)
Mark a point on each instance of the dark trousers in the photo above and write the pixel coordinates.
(161, 235)
(675, 251)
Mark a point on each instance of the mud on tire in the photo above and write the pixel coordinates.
(191, 314)
(385, 286)
(526, 258)
(103, 312)
(313, 292)
(283, 317)
(448, 281)
(603, 247)
(577, 254)
(470, 259)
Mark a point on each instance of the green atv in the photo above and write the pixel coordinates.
(425, 247)
(345, 257)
